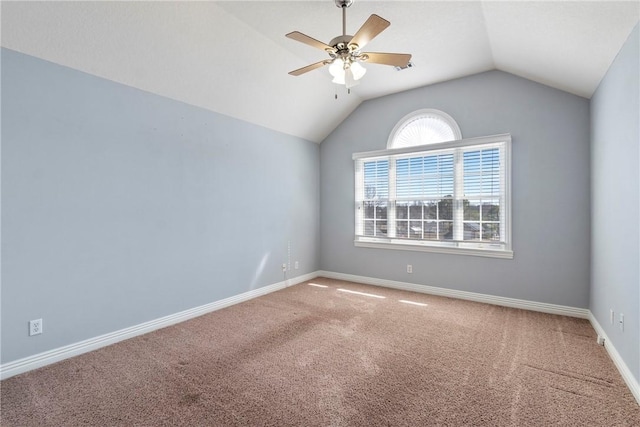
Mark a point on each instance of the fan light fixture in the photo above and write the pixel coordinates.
(345, 50)
(346, 72)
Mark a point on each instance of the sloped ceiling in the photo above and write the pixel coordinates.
(232, 57)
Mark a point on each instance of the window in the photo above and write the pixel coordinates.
(446, 196)
(421, 127)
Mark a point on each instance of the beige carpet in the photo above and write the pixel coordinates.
(313, 356)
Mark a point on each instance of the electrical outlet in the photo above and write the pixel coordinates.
(612, 316)
(409, 268)
(296, 265)
(35, 327)
(622, 322)
(284, 266)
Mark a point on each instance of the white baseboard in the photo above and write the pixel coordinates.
(48, 357)
(564, 310)
(624, 370)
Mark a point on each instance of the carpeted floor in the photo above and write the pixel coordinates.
(319, 356)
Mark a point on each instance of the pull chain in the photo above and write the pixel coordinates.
(335, 96)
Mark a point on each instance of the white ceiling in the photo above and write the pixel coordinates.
(233, 58)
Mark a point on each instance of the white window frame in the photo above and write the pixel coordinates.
(456, 246)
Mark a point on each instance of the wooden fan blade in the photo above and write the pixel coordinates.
(371, 28)
(303, 38)
(307, 68)
(395, 59)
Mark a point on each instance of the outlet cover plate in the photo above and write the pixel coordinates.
(35, 327)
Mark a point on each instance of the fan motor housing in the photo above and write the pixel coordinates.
(341, 42)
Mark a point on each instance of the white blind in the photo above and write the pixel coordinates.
(483, 199)
(376, 180)
(424, 177)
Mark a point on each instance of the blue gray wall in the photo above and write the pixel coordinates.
(615, 193)
(120, 206)
(550, 181)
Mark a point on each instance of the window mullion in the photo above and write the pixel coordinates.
(391, 204)
(458, 194)
(359, 191)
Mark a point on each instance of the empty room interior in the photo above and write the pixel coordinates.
(320, 213)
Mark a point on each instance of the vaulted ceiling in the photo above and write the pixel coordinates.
(233, 58)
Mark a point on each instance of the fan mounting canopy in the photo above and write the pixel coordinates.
(343, 3)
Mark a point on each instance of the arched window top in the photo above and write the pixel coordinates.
(421, 127)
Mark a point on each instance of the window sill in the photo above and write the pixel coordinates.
(482, 252)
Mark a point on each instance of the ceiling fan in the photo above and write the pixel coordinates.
(345, 51)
